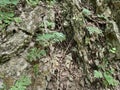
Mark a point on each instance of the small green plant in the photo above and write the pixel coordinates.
(6, 18)
(51, 2)
(113, 50)
(36, 69)
(86, 12)
(32, 2)
(44, 40)
(35, 54)
(102, 17)
(108, 78)
(50, 38)
(93, 29)
(47, 23)
(98, 74)
(3, 3)
(36, 2)
(106, 74)
(7, 12)
(22, 83)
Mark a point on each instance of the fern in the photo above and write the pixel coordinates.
(44, 40)
(36, 69)
(6, 17)
(35, 54)
(110, 80)
(86, 12)
(7, 2)
(94, 29)
(22, 83)
(98, 74)
(7, 12)
(50, 38)
(105, 74)
(32, 2)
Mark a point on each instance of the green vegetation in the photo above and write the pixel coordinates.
(47, 23)
(86, 12)
(22, 83)
(36, 69)
(93, 29)
(107, 77)
(7, 18)
(112, 50)
(36, 2)
(97, 74)
(83, 27)
(32, 2)
(7, 12)
(35, 54)
(3, 3)
(106, 74)
(50, 38)
(44, 40)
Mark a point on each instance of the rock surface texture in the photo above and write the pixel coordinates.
(69, 65)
